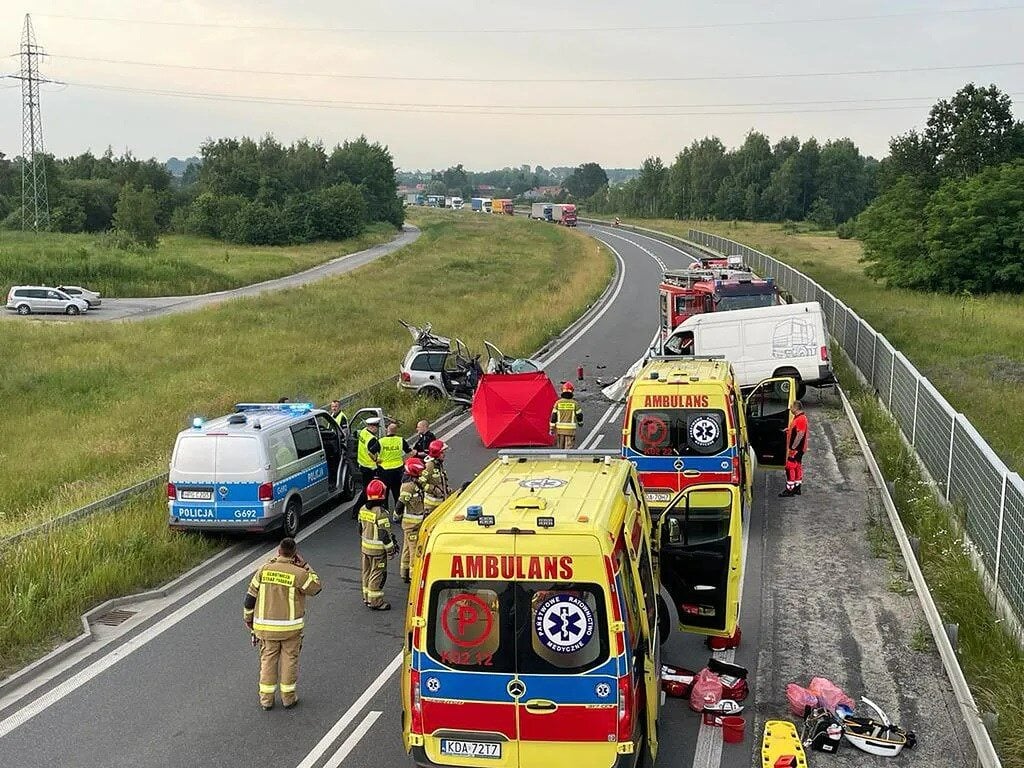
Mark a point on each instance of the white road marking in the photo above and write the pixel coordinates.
(351, 714)
(104, 663)
(350, 743)
(616, 414)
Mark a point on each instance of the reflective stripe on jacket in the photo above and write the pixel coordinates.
(280, 587)
(375, 531)
(411, 498)
(391, 451)
(566, 415)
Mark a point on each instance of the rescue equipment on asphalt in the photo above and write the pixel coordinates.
(781, 747)
(874, 737)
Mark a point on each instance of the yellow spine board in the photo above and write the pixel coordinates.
(781, 739)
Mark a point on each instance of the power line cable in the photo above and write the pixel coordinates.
(508, 111)
(546, 30)
(575, 81)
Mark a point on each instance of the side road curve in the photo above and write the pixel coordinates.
(146, 308)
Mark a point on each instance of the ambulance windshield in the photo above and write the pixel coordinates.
(678, 432)
(518, 627)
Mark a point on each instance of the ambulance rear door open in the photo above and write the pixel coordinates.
(767, 410)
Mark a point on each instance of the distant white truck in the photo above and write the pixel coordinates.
(456, 204)
(761, 343)
(541, 211)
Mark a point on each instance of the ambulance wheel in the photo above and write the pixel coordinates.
(291, 518)
(664, 620)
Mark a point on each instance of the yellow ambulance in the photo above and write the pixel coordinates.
(532, 625)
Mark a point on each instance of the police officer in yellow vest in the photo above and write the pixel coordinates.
(376, 544)
(566, 416)
(391, 451)
(366, 459)
(411, 511)
(274, 611)
(338, 415)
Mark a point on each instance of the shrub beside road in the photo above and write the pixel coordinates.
(93, 408)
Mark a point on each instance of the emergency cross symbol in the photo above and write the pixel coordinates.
(704, 431)
(564, 623)
(433, 684)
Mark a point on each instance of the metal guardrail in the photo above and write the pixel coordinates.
(121, 497)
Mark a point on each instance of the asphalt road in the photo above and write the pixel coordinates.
(176, 684)
(146, 308)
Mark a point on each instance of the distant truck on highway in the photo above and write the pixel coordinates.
(564, 213)
(541, 211)
(435, 201)
(503, 205)
(455, 203)
(414, 198)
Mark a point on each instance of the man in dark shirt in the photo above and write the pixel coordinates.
(424, 437)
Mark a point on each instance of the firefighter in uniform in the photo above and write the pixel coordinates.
(411, 510)
(367, 461)
(436, 488)
(391, 451)
(377, 544)
(566, 416)
(796, 446)
(274, 611)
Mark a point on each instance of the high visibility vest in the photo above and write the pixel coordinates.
(391, 453)
(341, 418)
(363, 457)
(565, 412)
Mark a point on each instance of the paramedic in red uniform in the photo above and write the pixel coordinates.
(796, 446)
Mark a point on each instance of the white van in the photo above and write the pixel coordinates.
(761, 343)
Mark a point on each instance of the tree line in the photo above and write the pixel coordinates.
(949, 216)
(250, 191)
(790, 180)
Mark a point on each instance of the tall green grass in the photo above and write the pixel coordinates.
(992, 660)
(970, 347)
(181, 266)
(90, 408)
(99, 410)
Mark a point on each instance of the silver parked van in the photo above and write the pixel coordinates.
(26, 299)
(257, 469)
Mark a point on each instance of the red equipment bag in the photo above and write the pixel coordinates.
(801, 701)
(706, 690)
(829, 694)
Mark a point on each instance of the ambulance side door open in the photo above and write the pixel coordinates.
(768, 418)
(700, 549)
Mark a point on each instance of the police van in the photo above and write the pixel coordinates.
(257, 469)
(532, 630)
(686, 422)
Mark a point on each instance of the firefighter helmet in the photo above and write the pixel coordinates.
(414, 466)
(376, 490)
(436, 448)
(568, 387)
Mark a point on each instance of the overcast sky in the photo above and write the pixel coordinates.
(526, 40)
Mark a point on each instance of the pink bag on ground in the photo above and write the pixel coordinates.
(706, 690)
(800, 699)
(829, 694)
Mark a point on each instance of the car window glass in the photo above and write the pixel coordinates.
(678, 432)
(326, 424)
(237, 455)
(195, 454)
(629, 595)
(769, 400)
(307, 438)
(647, 586)
(566, 626)
(282, 448)
(471, 625)
(53, 295)
(432, 362)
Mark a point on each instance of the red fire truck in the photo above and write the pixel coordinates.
(695, 290)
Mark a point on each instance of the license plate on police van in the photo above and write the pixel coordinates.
(459, 748)
(195, 494)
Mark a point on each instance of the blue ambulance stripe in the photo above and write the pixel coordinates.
(721, 462)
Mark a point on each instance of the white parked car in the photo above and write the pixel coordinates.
(27, 299)
(92, 297)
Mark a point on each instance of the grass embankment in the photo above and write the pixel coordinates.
(992, 660)
(180, 266)
(100, 409)
(969, 347)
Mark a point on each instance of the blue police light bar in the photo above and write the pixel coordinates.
(284, 407)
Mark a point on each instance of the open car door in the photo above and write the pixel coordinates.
(700, 549)
(767, 409)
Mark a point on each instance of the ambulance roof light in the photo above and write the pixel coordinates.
(473, 512)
